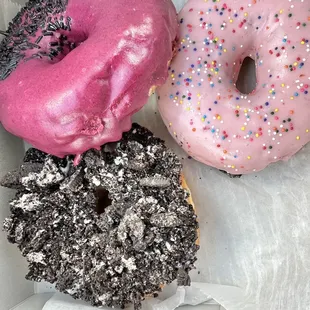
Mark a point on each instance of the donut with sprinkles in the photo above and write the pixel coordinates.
(73, 72)
(202, 106)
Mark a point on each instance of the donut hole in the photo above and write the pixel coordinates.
(246, 82)
(61, 45)
(102, 200)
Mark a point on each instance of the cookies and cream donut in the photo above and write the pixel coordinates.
(210, 118)
(110, 231)
(72, 72)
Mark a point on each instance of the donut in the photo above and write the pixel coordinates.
(112, 230)
(203, 104)
(73, 72)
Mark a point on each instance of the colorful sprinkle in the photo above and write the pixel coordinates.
(223, 115)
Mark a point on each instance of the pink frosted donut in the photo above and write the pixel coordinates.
(72, 72)
(200, 103)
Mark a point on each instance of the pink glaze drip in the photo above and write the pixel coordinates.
(200, 103)
(86, 98)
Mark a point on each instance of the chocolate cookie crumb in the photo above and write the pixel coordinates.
(110, 231)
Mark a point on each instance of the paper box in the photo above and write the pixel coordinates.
(254, 232)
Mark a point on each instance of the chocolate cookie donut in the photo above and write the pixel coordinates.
(112, 230)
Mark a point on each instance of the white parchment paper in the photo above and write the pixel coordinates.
(255, 232)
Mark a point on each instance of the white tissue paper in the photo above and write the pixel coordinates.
(255, 232)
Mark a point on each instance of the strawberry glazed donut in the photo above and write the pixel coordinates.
(72, 72)
(212, 120)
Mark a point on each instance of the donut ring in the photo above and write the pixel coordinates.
(200, 103)
(110, 231)
(72, 72)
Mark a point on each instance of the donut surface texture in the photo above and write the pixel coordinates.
(72, 72)
(209, 117)
(110, 231)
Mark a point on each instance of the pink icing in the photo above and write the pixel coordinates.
(85, 99)
(200, 103)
